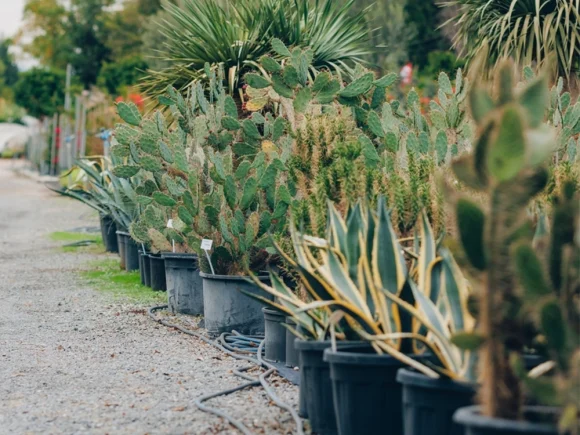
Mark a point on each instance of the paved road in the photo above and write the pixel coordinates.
(72, 361)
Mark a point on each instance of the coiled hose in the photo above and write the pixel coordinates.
(240, 347)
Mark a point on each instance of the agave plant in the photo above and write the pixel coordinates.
(529, 31)
(237, 35)
(402, 304)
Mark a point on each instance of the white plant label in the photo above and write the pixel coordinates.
(170, 223)
(206, 244)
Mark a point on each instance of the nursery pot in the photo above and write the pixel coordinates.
(121, 244)
(367, 396)
(109, 233)
(131, 254)
(184, 285)
(157, 273)
(315, 385)
(538, 420)
(146, 269)
(275, 335)
(291, 352)
(226, 308)
(141, 267)
(429, 404)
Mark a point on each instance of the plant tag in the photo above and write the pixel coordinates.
(206, 244)
(170, 223)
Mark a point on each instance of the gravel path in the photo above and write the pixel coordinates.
(72, 360)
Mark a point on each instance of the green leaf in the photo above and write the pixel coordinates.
(249, 193)
(230, 123)
(244, 149)
(251, 130)
(269, 176)
(125, 171)
(321, 81)
(441, 147)
(386, 81)
(280, 48)
(358, 87)
(230, 107)
(506, 156)
(150, 164)
(369, 151)
(242, 170)
(554, 327)
(534, 98)
(468, 340)
(126, 135)
(290, 76)
(281, 88)
(165, 152)
(480, 103)
(230, 191)
(162, 199)
(445, 83)
(374, 123)
(471, 223)
(165, 100)
(270, 64)
(303, 97)
(185, 215)
(129, 113)
(278, 128)
(257, 81)
(530, 274)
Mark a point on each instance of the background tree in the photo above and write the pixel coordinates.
(8, 70)
(40, 91)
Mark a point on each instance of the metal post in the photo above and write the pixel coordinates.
(54, 127)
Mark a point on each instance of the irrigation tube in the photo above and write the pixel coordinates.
(239, 347)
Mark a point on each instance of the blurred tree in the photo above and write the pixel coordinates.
(117, 76)
(124, 30)
(40, 91)
(148, 7)
(10, 73)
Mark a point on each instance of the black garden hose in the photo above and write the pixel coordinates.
(237, 346)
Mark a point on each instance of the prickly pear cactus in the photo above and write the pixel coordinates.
(508, 168)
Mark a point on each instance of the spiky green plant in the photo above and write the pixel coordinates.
(237, 35)
(531, 32)
(360, 271)
(508, 168)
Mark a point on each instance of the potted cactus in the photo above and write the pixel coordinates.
(508, 169)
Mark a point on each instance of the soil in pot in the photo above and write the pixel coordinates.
(366, 394)
(429, 404)
(316, 386)
(275, 335)
(538, 420)
(109, 233)
(121, 243)
(131, 254)
(291, 352)
(157, 273)
(184, 285)
(226, 308)
(146, 270)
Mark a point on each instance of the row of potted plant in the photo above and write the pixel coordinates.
(215, 191)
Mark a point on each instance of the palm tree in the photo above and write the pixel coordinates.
(235, 34)
(542, 33)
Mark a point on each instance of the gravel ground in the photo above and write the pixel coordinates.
(73, 360)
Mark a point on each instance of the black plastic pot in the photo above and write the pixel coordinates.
(141, 267)
(275, 335)
(157, 273)
(366, 394)
(184, 285)
(429, 404)
(109, 233)
(131, 254)
(291, 352)
(121, 244)
(315, 384)
(538, 420)
(226, 308)
(146, 270)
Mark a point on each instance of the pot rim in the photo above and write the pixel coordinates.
(232, 277)
(325, 344)
(470, 416)
(364, 359)
(273, 312)
(179, 255)
(408, 376)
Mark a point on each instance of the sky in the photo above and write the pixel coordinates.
(10, 16)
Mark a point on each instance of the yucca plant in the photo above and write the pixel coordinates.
(402, 306)
(238, 34)
(531, 32)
